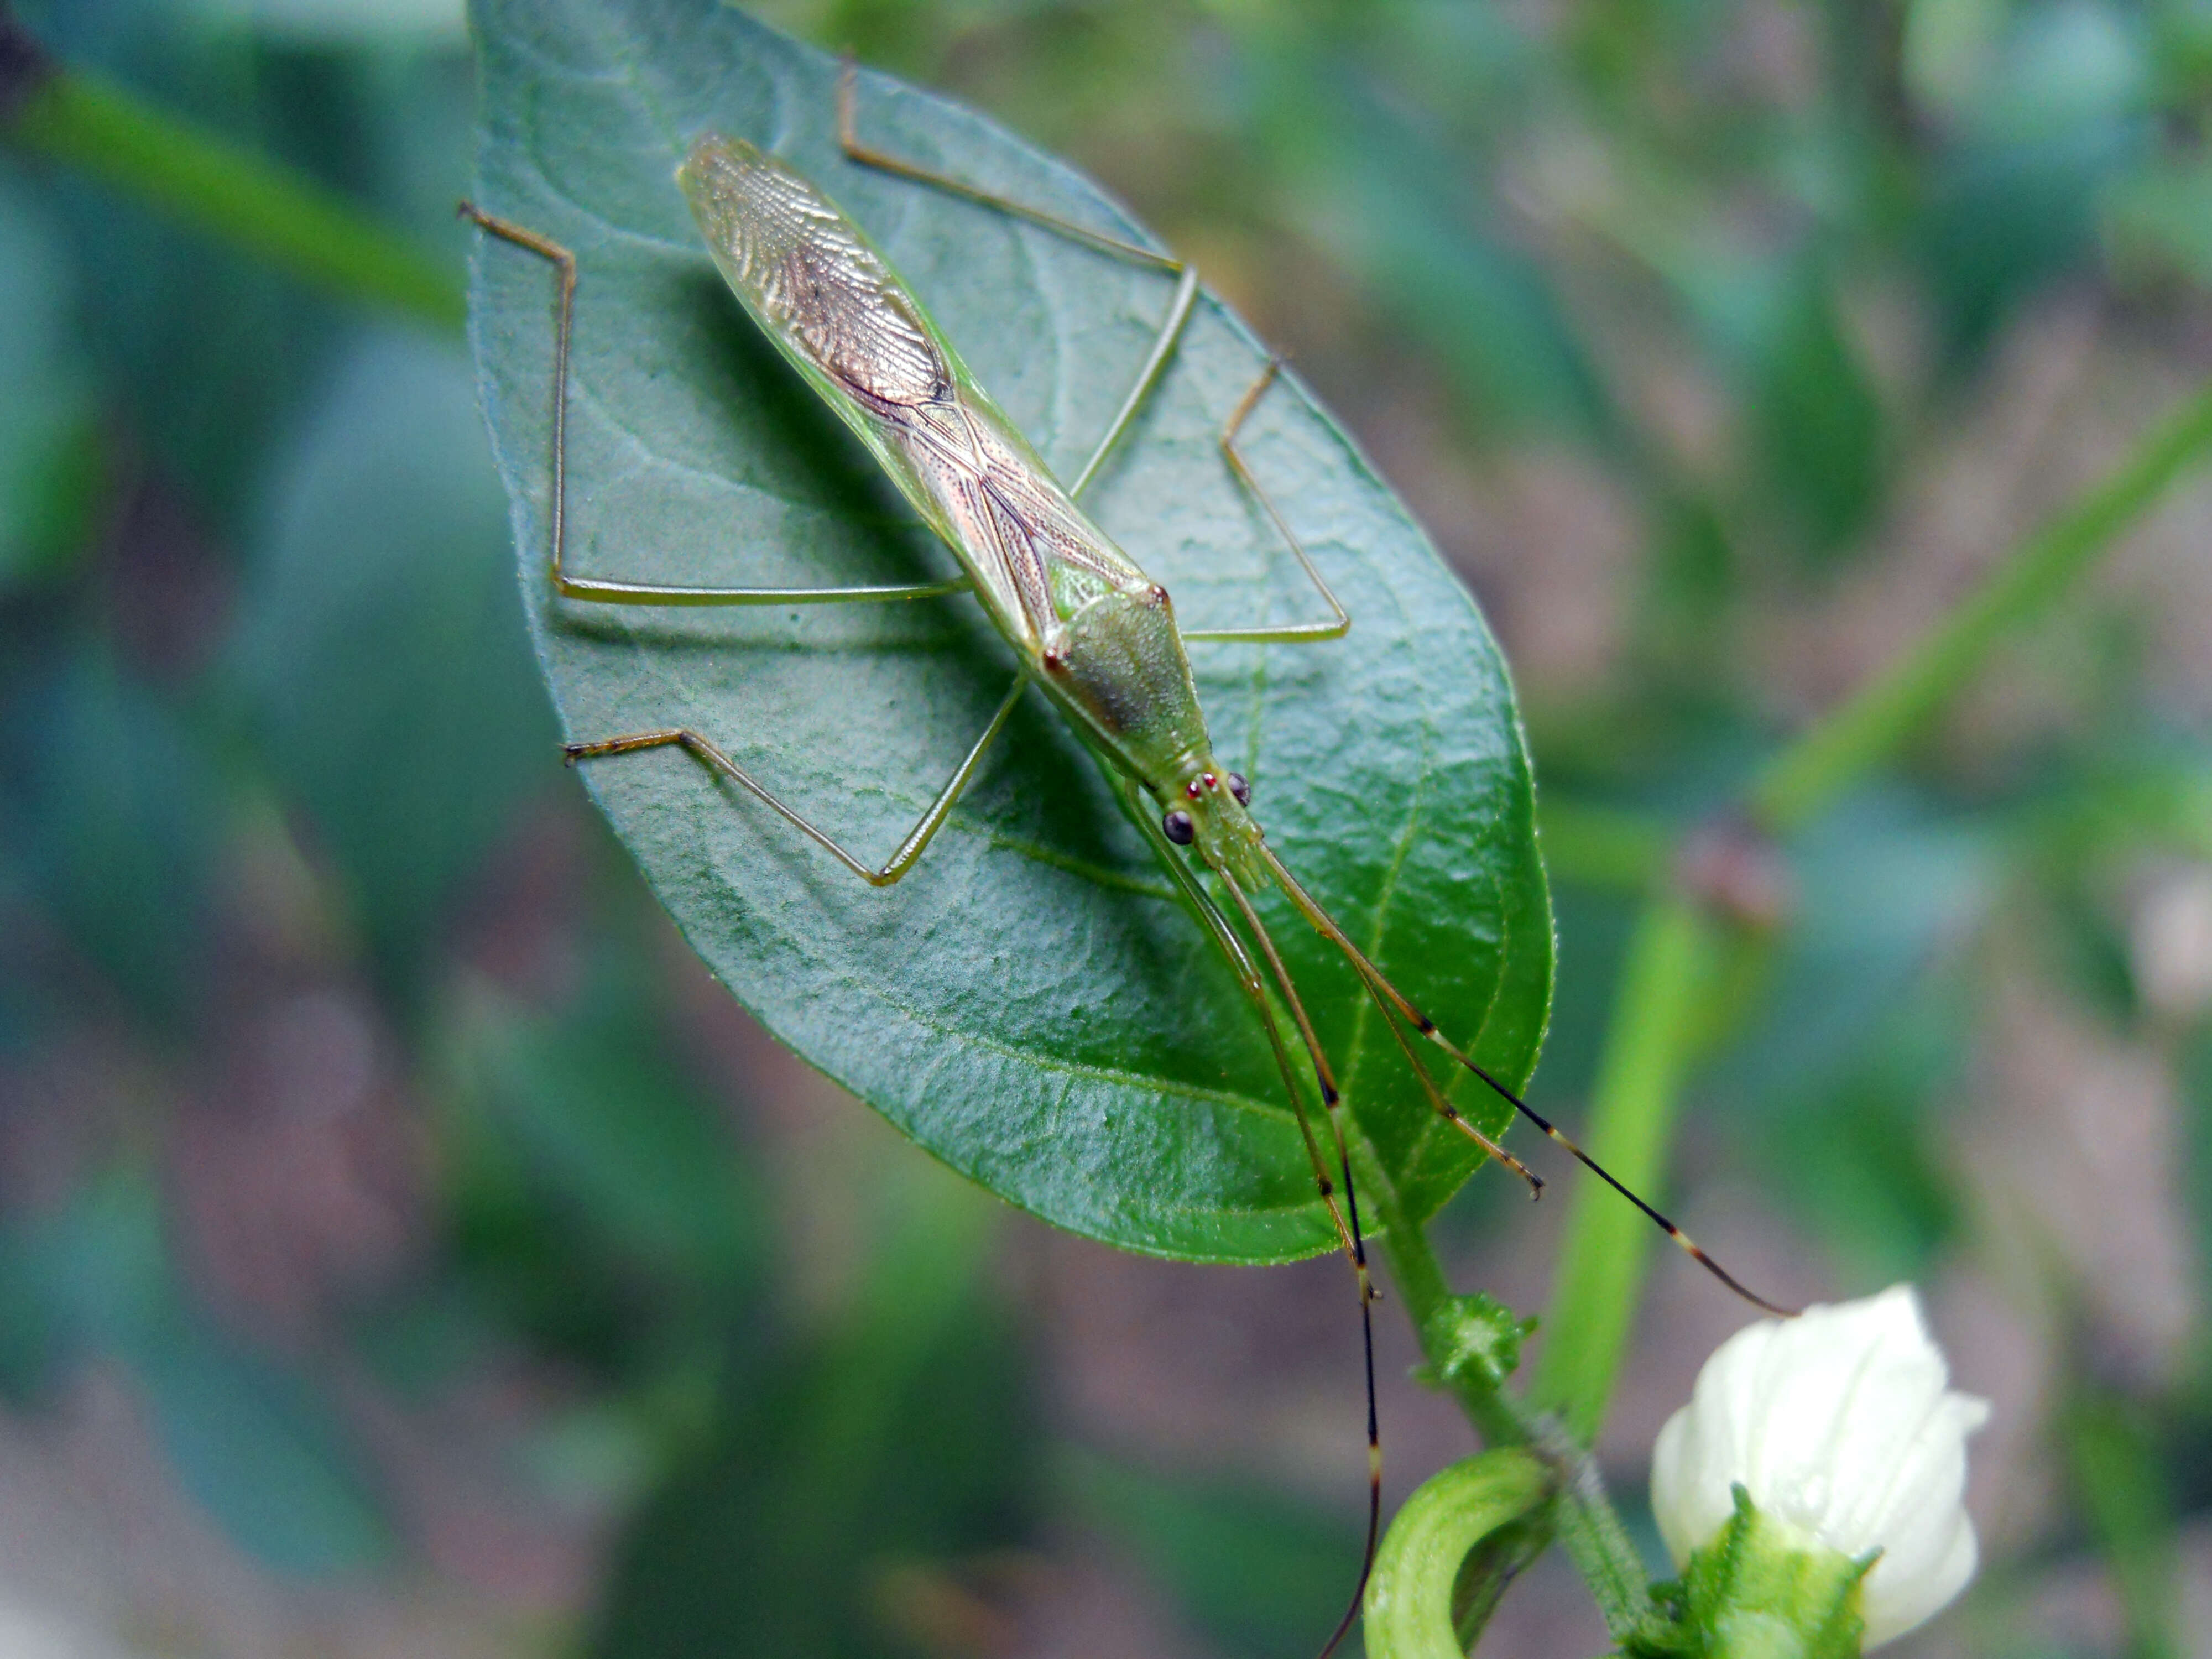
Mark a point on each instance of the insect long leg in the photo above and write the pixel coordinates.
(1329, 1095)
(1444, 1109)
(848, 139)
(1226, 939)
(1280, 633)
(623, 592)
(883, 875)
(1381, 988)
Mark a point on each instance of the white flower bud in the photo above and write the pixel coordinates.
(1839, 1425)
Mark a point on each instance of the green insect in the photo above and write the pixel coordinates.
(1091, 631)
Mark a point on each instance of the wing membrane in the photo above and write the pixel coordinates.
(832, 303)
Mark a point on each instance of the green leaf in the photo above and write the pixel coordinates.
(263, 1451)
(2158, 218)
(1816, 422)
(110, 809)
(381, 648)
(202, 354)
(595, 1109)
(1032, 1004)
(1760, 1588)
(862, 1471)
(48, 442)
(251, 1439)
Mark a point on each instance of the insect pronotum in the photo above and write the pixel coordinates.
(1090, 630)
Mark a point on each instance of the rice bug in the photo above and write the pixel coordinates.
(1092, 633)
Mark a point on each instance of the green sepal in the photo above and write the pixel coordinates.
(1471, 1336)
(1760, 1590)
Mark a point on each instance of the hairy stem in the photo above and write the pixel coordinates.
(1579, 1514)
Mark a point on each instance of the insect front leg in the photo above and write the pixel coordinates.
(1226, 939)
(599, 589)
(882, 875)
(1347, 1218)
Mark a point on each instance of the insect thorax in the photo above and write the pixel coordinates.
(1120, 661)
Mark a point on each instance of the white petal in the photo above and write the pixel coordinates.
(1840, 1423)
(1674, 1505)
(1899, 1602)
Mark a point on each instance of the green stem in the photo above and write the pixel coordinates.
(1423, 1288)
(1582, 1515)
(1409, 1607)
(232, 195)
(1656, 1013)
(1880, 718)
(1673, 985)
(1602, 846)
(2116, 1471)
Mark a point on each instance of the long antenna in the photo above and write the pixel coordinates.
(1381, 987)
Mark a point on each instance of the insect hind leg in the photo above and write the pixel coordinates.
(1179, 307)
(601, 590)
(712, 756)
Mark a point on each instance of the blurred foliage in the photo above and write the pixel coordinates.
(290, 879)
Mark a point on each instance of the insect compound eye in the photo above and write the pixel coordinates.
(1239, 788)
(1179, 828)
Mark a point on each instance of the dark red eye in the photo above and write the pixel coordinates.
(1179, 827)
(1239, 788)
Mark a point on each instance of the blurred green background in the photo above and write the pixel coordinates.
(406, 1249)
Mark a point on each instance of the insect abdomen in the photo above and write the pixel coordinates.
(807, 274)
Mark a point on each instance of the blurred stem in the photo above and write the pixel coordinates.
(2115, 1466)
(1659, 1008)
(1602, 846)
(1886, 714)
(265, 211)
(1674, 987)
